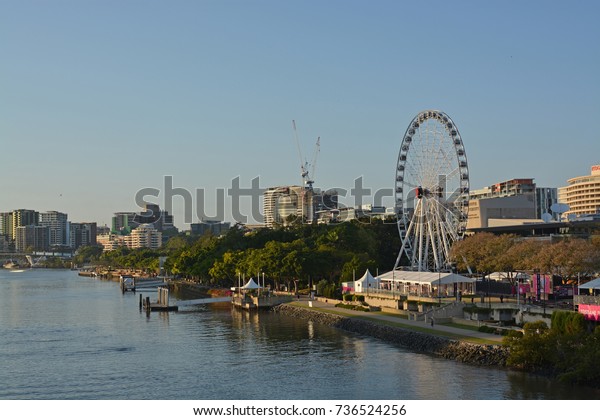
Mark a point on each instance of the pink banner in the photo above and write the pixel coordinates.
(590, 312)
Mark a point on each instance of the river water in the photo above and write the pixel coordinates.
(68, 337)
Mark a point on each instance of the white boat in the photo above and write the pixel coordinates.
(10, 265)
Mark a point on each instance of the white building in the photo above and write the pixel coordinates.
(582, 195)
(144, 236)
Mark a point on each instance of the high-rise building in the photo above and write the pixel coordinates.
(35, 238)
(285, 204)
(124, 222)
(6, 225)
(582, 195)
(282, 204)
(23, 217)
(58, 227)
(83, 234)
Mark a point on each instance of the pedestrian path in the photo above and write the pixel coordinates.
(436, 329)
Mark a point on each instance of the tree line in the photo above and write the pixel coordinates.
(296, 255)
(485, 253)
(305, 254)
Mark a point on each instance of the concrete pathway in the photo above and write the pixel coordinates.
(461, 333)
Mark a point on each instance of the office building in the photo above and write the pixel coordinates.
(511, 202)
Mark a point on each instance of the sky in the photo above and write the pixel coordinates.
(100, 100)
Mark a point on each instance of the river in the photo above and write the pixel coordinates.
(69, 337)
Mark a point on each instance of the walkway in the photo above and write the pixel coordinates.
(438, 329)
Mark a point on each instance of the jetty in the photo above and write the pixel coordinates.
(252, 296)
(130, 283)
(162, 303)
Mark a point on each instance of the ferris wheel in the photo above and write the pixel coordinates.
(432, 192)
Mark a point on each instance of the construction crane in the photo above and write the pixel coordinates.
(307, 169)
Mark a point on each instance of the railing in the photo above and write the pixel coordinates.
(586, 300)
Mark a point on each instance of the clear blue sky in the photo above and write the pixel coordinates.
(99, 99)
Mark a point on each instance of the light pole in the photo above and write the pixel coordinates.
(439, 286)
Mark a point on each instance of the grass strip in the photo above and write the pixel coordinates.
(439, 333)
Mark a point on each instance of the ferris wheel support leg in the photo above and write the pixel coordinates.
(433, 238)
(420, 231)
(405, 243)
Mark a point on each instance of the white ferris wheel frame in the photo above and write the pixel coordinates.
(431, 206)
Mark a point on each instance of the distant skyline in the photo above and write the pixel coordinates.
(101, 99)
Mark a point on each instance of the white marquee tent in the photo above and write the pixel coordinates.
(251, 285)
(365, 282)
(424, 283)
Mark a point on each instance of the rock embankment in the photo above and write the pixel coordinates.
(478, 354)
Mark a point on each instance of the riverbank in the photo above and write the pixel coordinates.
(390, 329)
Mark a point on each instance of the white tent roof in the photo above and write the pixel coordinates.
(368, 278)
(502, 275)
(593, 284)
(251, 285)
(424, 277)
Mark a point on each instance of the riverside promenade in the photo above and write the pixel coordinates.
(446, 331)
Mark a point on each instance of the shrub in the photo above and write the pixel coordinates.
(569, 323)
(486, 329)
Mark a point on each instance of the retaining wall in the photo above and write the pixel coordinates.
(478, 354)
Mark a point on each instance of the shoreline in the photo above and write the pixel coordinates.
(447, 348)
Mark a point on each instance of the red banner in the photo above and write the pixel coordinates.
(590, 312)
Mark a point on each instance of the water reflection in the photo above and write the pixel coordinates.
(82, 338)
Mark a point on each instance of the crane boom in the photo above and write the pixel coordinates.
(303, 170)
(305, 167)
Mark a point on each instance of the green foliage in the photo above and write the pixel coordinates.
(140, 258)
(87, 254)
(296, 255)
(568, 323)
(566, 351)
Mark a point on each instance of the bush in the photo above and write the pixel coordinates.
(566, 322)
(486, 329)
(353, 307)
